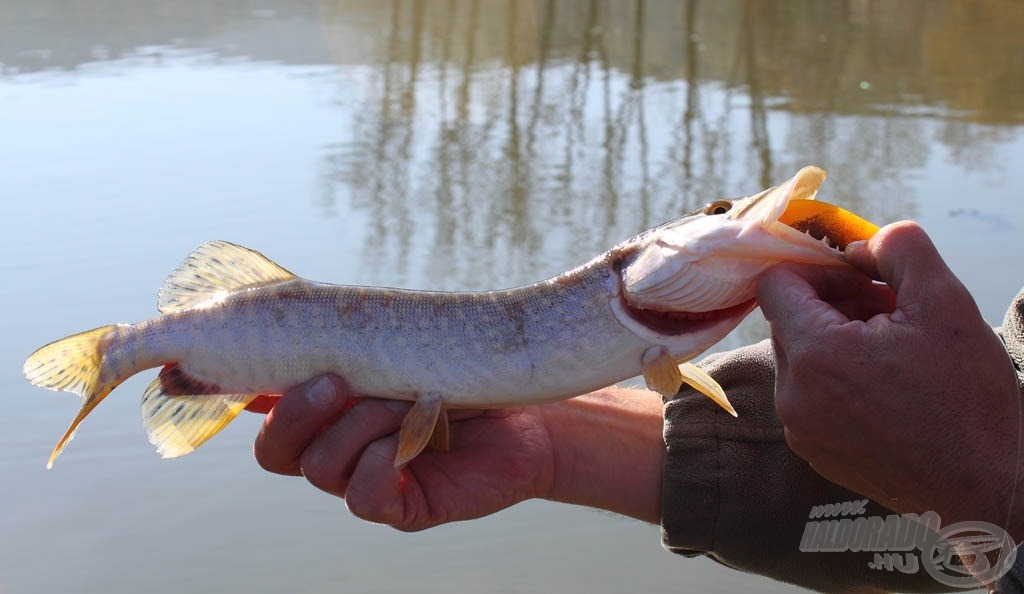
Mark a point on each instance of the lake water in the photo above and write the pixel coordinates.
(462, 144)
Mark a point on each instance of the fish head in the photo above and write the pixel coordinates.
(695, 276)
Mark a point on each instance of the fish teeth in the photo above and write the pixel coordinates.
(825, 240)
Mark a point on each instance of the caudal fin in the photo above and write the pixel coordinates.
(71, 364)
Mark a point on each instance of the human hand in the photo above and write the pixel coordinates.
(346, 446)
(902, 392)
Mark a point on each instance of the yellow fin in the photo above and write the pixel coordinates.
(665, 376)
(417, 427)
(661, 372)
(214, 269)
(72, 364)
(699, 380)
(177, 425)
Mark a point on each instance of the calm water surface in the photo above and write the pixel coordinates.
(455, 144)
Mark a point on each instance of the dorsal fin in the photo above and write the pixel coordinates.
(216, 267)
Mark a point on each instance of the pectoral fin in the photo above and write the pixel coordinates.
(441, 439)
(699, 380)
(665, 376)
(661, 372)
(418, 427)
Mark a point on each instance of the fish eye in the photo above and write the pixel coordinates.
(718, 207)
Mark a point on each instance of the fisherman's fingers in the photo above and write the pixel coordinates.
(791, 300)
(813, 387)
(380, 493)
(840, 464)
(819, 343)
(331, 459)
(903, 256)
(295, 421)
(784, 292)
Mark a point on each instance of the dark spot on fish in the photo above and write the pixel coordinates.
(178, 409)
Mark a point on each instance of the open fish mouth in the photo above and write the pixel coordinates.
(808, 230)
(696, 275)
(680, 323)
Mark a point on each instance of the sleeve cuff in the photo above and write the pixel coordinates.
(732, 490)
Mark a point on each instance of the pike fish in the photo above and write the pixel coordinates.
(235, 325)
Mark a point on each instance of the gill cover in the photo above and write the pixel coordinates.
(711, 258)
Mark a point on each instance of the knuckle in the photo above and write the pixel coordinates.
(278, 466)
(269, 457)
(375, 495)
(955, 297)
(322, 473)
(265, 461)
(363, 506)
(411, 527)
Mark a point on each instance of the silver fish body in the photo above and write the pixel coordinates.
(235, 325)
(531, 344)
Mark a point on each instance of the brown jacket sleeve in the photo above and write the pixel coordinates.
(732, 489)
(1012, 334)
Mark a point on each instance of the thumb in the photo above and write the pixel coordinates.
(791, 299)
(904, 257)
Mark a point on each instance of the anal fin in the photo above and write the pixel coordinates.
(177, 425)
(418, 427)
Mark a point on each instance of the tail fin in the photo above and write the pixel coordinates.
(72, 364)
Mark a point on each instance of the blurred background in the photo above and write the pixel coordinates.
(450, 144)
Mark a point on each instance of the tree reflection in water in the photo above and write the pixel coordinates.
(498, 131)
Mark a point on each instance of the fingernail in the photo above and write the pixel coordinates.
(322, 393)
(854, 246)
(397, 406)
